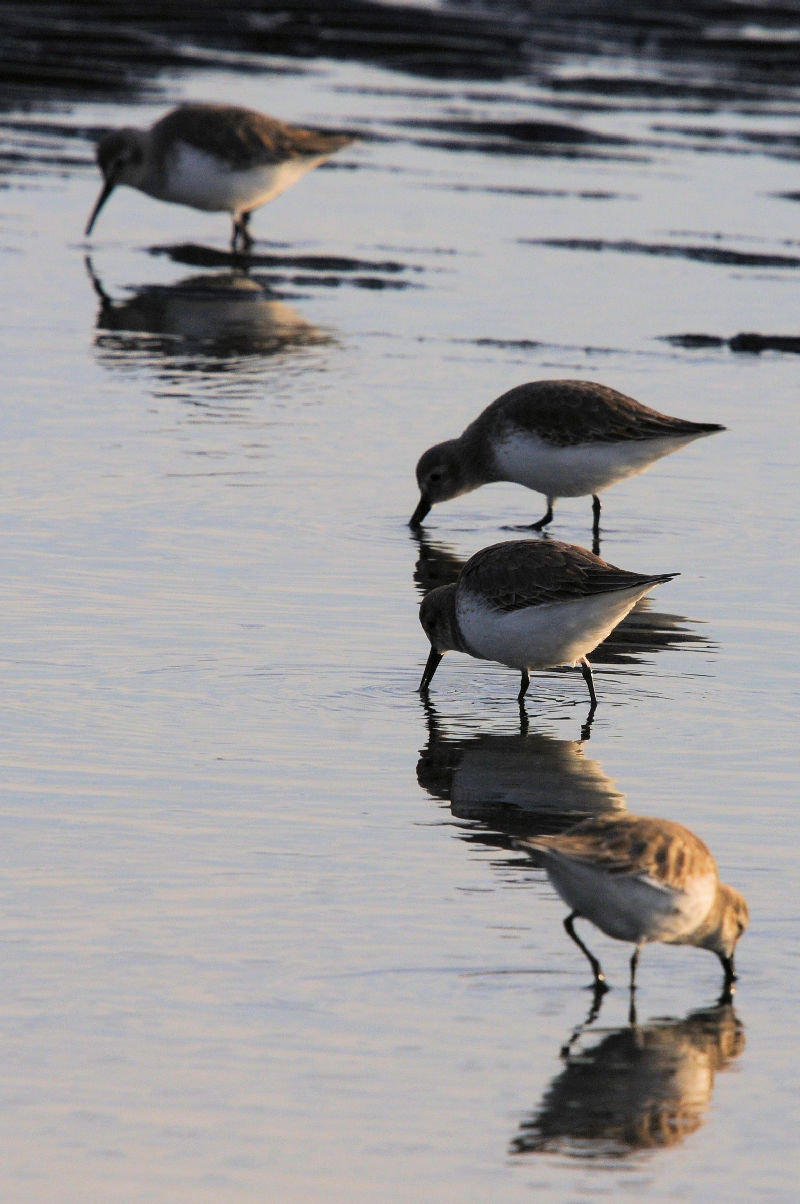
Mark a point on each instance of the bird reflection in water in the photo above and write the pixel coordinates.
(516, 784)
(641, 1087)
(216, 315)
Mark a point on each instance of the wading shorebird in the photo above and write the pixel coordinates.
(562, 438)
(213, 157)
(531, 604)
(640, 880)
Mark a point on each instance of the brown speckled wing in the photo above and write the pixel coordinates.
(532, 572)
(567, 412)
(659, 849)
(242, 137)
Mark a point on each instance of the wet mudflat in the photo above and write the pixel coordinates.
(266, 934)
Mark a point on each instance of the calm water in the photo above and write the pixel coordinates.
(264, 935)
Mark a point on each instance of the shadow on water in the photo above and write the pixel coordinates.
(320, 271)
(638, 1088)
(705, 51)
(725, 256)
(86, 46)
(540, 138)
(513, 785)
(748, 343)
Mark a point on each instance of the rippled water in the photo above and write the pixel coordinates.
(265, 933)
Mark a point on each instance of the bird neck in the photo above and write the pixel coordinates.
(475, 458)
(448, 633)
(714, 933)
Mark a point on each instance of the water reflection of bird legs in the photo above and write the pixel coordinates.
(599, 993)
(586, 726)
(547, 518)
(591, 1016)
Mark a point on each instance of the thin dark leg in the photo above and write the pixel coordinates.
(595, 515)
(247, 239)
(525, 682)
(634, 964)
(632, 1001)
(546, 518)
(241, 240)
(599, 977)
(586, 670)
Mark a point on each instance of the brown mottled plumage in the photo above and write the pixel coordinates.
(240, 137)
(641, 879)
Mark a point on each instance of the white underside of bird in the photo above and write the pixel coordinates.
(631, 907)
(581, 468)
(545, 635)
(194, 177)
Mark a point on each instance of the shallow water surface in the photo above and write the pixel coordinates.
(266, 933)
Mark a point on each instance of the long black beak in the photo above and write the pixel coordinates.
(727, 966)
(423, 506)
(430, 668)
(105, 193)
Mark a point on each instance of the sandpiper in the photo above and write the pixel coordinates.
(563, 438)
(530, 604)
(213, 157)
(640, 879)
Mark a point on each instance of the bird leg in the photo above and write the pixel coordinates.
(586, 670)
(595, 516)
(524, 683)
(242, 239)
(634, 964)
(546, 518)
(600, 983)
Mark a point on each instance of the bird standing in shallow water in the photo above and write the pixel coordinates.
(530, 604)
(640, 879)
(562, 438)
(213, 157)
